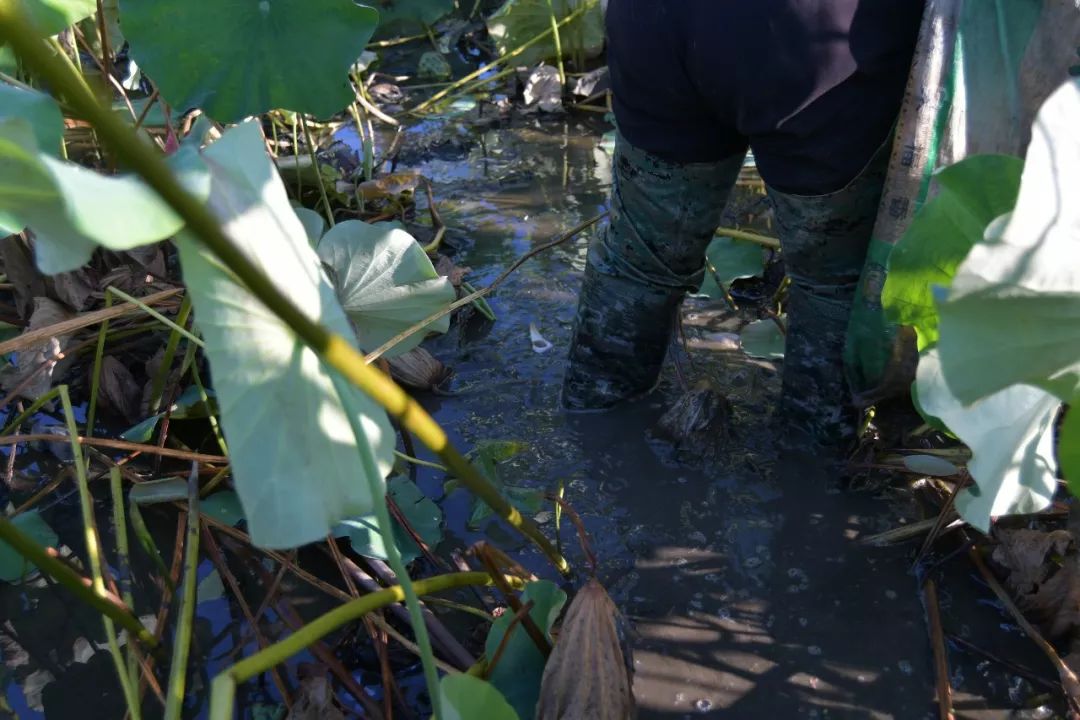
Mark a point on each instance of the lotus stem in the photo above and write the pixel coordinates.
(334, 350)
(93, 549)
(223, 689)
(79, 586)
(174, 704)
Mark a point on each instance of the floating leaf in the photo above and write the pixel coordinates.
(930, 465)
(423, 515)
(224, 506)
(487, 454)
(236, 59)
(465, 697)
(295, 460)
(519, 671)
(163, 490)
(189, 406)
(52, 16)
(519, 21)
(1013, 312)
(763, 339)
(385, 281)
(1011, 436)
(13, 566)
(72, 209)
(727, 260)
(973, 192)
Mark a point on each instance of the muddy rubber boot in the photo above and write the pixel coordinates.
(824, 240)
(651, 253)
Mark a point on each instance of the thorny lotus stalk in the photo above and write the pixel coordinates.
(333, 349)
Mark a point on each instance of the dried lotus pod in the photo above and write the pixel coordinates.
(588, 674)
(420, 370)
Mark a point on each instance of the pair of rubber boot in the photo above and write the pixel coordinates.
(651, 253)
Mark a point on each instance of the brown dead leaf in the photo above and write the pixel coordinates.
(76, 289)
(454, 273)
(21, 272)
(588, 674)
(35, 367)
(1043, 574)
(419, 369)
(390, 185)
(314, 701)
(119, 391)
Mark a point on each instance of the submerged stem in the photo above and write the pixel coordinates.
(223, 690)
(334, 350)
(377, 488)
(182, 641)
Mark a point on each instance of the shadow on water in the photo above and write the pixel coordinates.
(748, 592)
(746, 589)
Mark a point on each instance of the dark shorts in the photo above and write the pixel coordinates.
(812, 86)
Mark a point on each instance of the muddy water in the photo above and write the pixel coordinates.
(747, 589)
(744, 582)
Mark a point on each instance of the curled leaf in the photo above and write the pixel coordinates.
(588, 674)
(419, 370)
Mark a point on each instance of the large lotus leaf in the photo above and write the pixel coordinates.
(519, 21)
(422, 514)
(727, 260)
(38, 109)
(520, 669)
(465, 697)
(295, 459)
(1013, 312)
(973, 192)
(1069, 447)
(410, 15)
(385, 281)
(14, 566)
(72, 209)
(241, 58)
(52, 16)
(1011, 436)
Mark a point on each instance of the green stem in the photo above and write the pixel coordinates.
(75, 583)
(93, 552)
(174, 326)
(128, 673)
(223, 689)
(162, 375)
(334, 350)
(370, 471)
(95, 378)
(558, 42)
(318, 175)
(30, 411)
(174, 704)
(215, 426)
(418, 461)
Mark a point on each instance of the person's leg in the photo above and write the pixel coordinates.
(675, 164)
(824, 240)
(651, 253)
(822, 149)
